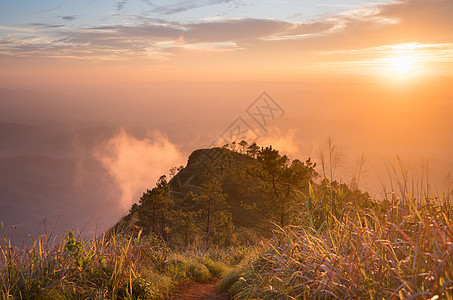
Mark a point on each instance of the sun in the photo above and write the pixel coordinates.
(402, 64)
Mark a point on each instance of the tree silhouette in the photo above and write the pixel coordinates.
(282, 180)
(253, 150)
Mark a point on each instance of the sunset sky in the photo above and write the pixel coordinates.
(186, 61)
(376, 76)
(138, 40)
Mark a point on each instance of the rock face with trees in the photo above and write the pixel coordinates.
(224, 196)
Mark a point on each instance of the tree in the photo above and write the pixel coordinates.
(282, 180)
(183, 226)
(249, 191)
(154, 212)
(212, 203)
(253, 150)
(175, 170)
(244, 145)
(223, 228)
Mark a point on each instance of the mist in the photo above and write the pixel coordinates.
(77, 157)
(136, 164)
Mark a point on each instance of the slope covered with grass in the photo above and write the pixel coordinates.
(399, 250)
(260, 223)
(128, 266)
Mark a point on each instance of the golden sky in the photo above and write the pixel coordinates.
(196, 40)
(375, 75)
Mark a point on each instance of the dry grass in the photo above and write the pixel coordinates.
(342, 246)
(105, 268)
(403, 252)
(125, 266)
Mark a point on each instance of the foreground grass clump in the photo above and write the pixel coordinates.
(216, 268)
(405, 252)
(239, 269)
(123, 266)
(198, 272)
(111, 267)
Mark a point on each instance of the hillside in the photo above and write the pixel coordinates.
(204, 165)
(223, 196)
(247, 223)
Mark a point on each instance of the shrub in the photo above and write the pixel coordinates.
(198, 272)
(216, 268)
(229, 279)
(154, 286)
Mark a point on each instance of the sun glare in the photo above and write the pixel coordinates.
(402, 64)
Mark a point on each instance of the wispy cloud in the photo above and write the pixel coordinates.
(143, 38)
(178, 7)
(234, 30)
(48, 10)
(420, 58)
(425, 22)
(68, 18)
(120, 5)
(44, 25)
(398, 49)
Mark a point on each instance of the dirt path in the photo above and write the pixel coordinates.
(199, 291)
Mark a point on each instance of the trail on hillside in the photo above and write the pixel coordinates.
(199, 291)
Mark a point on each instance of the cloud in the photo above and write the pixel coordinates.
(234, 30)
(138, 31)
(136, 164)
(101, 42)
(68, 18)
(439, 52)
(284, 141)
(49, 10)
(395, 22)
(120, 5)
(44, 25)
(180, 6)
(407, 21)
(430, 20)
(244, 29)
(142, 39)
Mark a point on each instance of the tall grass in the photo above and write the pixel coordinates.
(347, 251)
(342, 245)
(123, 266)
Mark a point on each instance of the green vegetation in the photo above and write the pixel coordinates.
(259, 223)
(223, 198)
